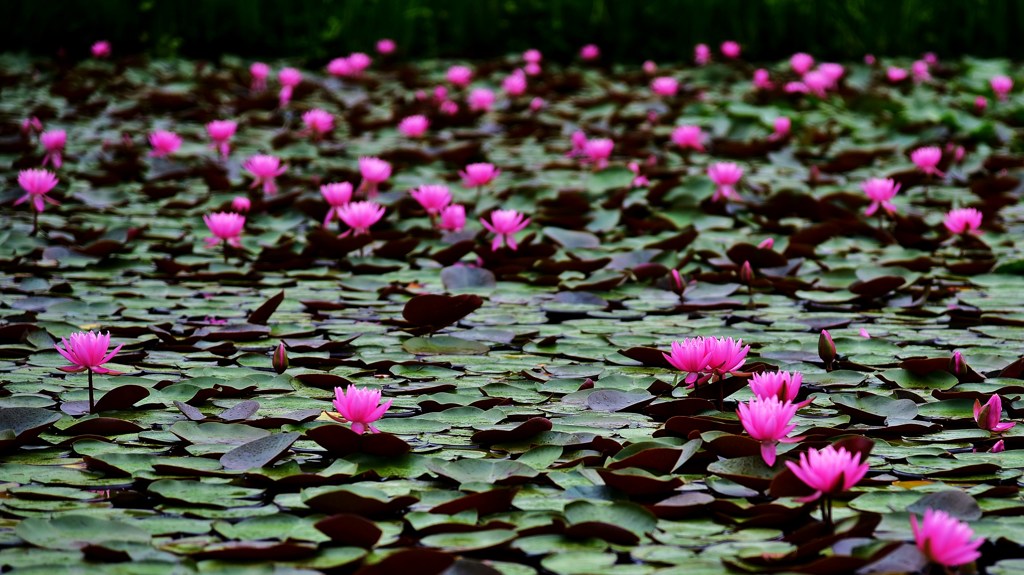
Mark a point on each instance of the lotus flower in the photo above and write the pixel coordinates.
(944, 540)
(781, 125)
(318, 123)
(460, 75)
(665, 86)
(701, 54)
(453, 218)
(730, 49)
(87, 351)
(264, 170)
(829, 471)
(225, 227)
(768, 421)
(895, 75)
(36, 183)
(53, 141)
(880, 191)
(689, 137)
(725, 354)
(480, 99)
(762, 79)
(987, 416)
(817, 83)
(919, 69)
(927, 159)
(1001, 86)
(479, 174)
(532, 56)
(337, 195)
(590, 52)
(101, 49)
(375, 171)
(781, 384)
(515, 83)
(801, 63)
(414, 126)
(690, 355)
(360, 216)
(259, 72)
(962, 221)
(358, 62)
(164, 143)
(241, 204)
(433, 198)
(725, 176)
(505, 224)
(598, 150)
(385, 46)
(221, 132)
(360, 407)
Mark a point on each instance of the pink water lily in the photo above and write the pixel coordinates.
(962, 221)
(801, 63)
(101, 49)
(414, 126)
(781, 384)
(241, 204)
(264, 169)
(987, 416)
(725, 176)
(880, 191)
(927, 160)
(460, 75)
(688, 137)
(385, 46)
(432, 197)
(221, 132)
(375, 171)
(225, 227)
(53, 141)
(259, 72)
(359, 406)
(360, 216)
(164, 143)
(318, 123)
(665, 86)
(36, 183)
(480, 99)
(598, 150)
(289, 79)
(690, 355)
(87, 351)
(337, 195)
(944, 540)
(829, 471)
(768, 421)
(701, 54)
(1001, 86)
(504, 225)
(453, 218)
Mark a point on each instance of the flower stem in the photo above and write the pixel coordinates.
(225, 250)
(92, 404)
(35, 222)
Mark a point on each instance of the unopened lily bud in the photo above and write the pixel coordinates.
(766, 244)
(280, 359)
(747, 273)
(826, 349)
(956, 363)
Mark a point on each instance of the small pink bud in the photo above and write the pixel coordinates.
(746, 273)
(280, 361)
(998, 447)
(766, 244)
(826, 349)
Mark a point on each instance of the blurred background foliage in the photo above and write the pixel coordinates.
(626, 30)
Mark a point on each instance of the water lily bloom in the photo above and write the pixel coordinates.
(264, 168)
(505, 224)
(318, 122)
(339, 67)
(414, 126)
(801, 63)
(963, 221)
(453, 218)
(460, 75)
(665, 86)
(53, 142)
(375, 171)
(768, 421)
(87, 351)
(639, 180)
(280, 359)
(225, 227)
(259, 72)
(590, 52)
(221, 132)
(691, 137)
(781, 126)
(767, 244)
(360, 216)
(817, 83)
(480, 99)
(385, 46)
(579, 142)
(164, 143)
(795, 88)
(598, 150)
(536, 104)
(649, 67)
(869, 59)
(101, 49)
(945, 540)
(725, 176)
(289, 78)
(690, 355)
(864, 333)
(927, 159)
(479, 174)
(449, 108)
(998, 447)
(1001, 86)
(957, 364)
(515, 83)
(432, 197)
(36, 183)
(730, 49)
(829, 471)
(337, 195)
(725, 355)
(762, 79)
(832, 72)
(895, 75)
(532, 69)
(358, 62)
(31, 125)
(880, 191)
(532, 56)
(919, 70)
(241, 204)
(980, 103)
(360, 407)
(781, 384)
(701, 54)
(987, 416)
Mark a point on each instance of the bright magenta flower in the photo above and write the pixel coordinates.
(221, 132)
(505, 224)
(259, 72)
(264, 169)
(665, 86)
(460, 75)
(375, 171)
(701, 54)
(536, 104)
(590, 52)
(164, 143)
(337, 195)
(801, 63)
(962, 221)
(725, 176)
(241, 204)
(988, 416)
(691, 137)
(817, 83)
(926, 159)
(944, 540)
(414, 126)
(36, 183)
(318, 123)
(359, 62)
(532, 56)
(1001, 85)
(895, 75)
(725, 354)
(832, 72)
(781, 125)
(480, 99)
(453, 218)
(385, 46)
(101, 49)
(53, 141)
(598, 150)
(515, 83)
(87, 350)
(359, 407)
(360, 216)
(781, 384)
(880, 191)
(225, 227)
(768, 421)
(339, 67)
(919, 69)
(433, 198)
(690, 355)
(479, 174)
(289, 79)
(730, 49)
(762, 79)
(829, 471)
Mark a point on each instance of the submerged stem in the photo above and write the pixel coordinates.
(92, 404)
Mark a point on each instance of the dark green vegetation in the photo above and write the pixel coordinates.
(660, 29)
(540, 432)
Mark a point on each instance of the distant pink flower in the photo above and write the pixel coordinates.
(869, 59)
(762, 79)
(359, 407)
(944, 540)
(221, 132)
(880, 191)
(480, 99)
(532, 56)
(927, 159)
(375, 171)
(532, 69)
(998, 447)
(987, 416)
(817, 83)
(832, 72)
(449, 108)
(782, 125)
(781, 384)
(440, 93)
(360, 216)
(690, 355)
(241, 204)
(87, 351)
(460, 75)
(930, 58)
(385, 46)
(358, 62)
(766, 244)
(536, 104)
(920, 72)
(225, 227)
(730, 49)
(259, 72)
(432, 197)
(289, 79)
(895, 75)
(515, 83)
(53, 141)
(980, 103)
(1001, 86)
(688, 137)
(504, 225)
(864, 333)
(957, 364)
(339, 67)
(665, 86)
(649, 67)
(30, 125)
(264, 168)
(639, 180)
(414, 126)
(598, 150)
(829, 471)
(479, 174)
(101, 49)
(337, 195)
(590, 52)
(579, 142)
(164, 143)
(318, 123)
(801, 63)
(36, 183)
(725, 176)
(768, 421)
(453, 218)
(701, 54)
(795, 88)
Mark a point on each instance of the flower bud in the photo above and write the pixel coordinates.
(280, 359)
(956, 363)
(747, 273)
(826, 349)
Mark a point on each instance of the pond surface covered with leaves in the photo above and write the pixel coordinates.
(535, 425)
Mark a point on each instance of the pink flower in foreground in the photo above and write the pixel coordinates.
(375, 171)
(432, 197)
(725, 355)
(259, 72)
(690, 355)
(987, 416)
(289, 79)
(87, 351)
(801, 63)
(730, 49)
(532, 56)
(241, 204)
(53, 142)
(360, 216)
(895, 75)
(927, 159)
(701, 54)
(1001, 86)
(725, 176)
(36, 183)
(598, 150)
(101, 49)
(479, 174)
(337, 195)
(453, 218)
(385, 46)
(515, 83)
(221, 132)
(225, 227)
(164, 143)
(944, 540)
(962, 221)
(762, 79)
(318, 122)
(691, 137)
(768, 421)
(590, 52)
(264, 169)
(781, 384)
(480, 99)
(414, 126)
(828, 472)
(880, 191)
(460, 75)
(505, 224)
(665, 86)
(359, 407)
